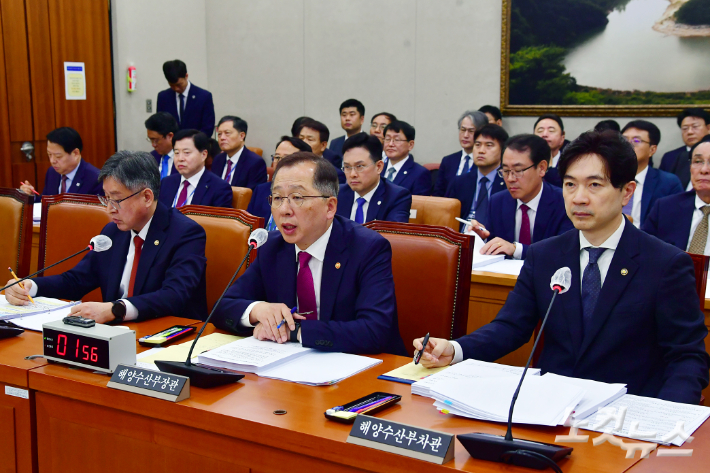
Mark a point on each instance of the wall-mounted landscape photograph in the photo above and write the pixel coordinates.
(605, 57)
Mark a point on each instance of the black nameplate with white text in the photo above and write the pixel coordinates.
(158, 384)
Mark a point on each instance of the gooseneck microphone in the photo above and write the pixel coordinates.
(212, 377)
(99, 243)
(526, 453)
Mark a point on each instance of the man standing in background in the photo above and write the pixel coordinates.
(191, 106)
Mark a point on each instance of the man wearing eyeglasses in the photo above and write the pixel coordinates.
(237, 164)
(156, 264)
(694, 124)
(377, 127)
(400, 168)
(532, 209)
(334, 274)
(161, 127)
(366, 197)
(651, 184)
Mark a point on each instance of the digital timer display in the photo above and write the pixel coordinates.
(77, 348)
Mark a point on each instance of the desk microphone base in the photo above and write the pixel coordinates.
(199, 377)
(496, 448)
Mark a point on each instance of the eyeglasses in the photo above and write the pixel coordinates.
(358, 168)
(294, 198)
(376, 126)
(504, 173)
(116, 204)
(467, 130)
(691, 127)
(636, 141)
(395, 140)
(698, 163)
(153, 141)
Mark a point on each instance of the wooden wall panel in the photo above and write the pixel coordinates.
(41, 77)
(5, 149)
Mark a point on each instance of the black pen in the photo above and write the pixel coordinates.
(419, 354)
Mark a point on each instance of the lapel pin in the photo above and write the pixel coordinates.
(156, 243)
(379, 202)
(405, 172)
(193, 96)
(78, 184)
(337, 265)
(624, 272)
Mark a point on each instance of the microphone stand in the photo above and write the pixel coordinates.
(205, 377)
(44, 269)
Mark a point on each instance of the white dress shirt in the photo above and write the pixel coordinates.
(396, 167)
(317, 252)
(697, 217)
(462, 162)
(191, 188)
(689, 187)
(638, 195)
(177, 99)
(234, 159)
(171, 160)
(555, 159)
(365, 206)
(70, 179)
(532, 212)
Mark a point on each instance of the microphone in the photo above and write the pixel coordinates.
(212, 377)
(506, 449)
(99, 243)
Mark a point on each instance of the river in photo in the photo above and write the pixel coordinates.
(630, 55)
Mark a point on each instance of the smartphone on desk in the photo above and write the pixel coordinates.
(166, 336)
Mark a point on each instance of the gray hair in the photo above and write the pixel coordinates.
(325, 178)
(134, 169)
(479, 119)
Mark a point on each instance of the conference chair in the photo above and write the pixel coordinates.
(433, 171)
(227, 232)
(241, 197)
(69, 222)
(432, 278)
(269, 173)
(258, 151)
(440, 211)
(16, 238)
(700, 263)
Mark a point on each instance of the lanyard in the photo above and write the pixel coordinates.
(189, 197)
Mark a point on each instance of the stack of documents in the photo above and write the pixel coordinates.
(506, 266)
(32, 316)
(410, 373)
(179, 352)
(480, 260)
(37, 212)
(596, 394)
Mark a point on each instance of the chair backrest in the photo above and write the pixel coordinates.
(700, 262)
(258, 151)
(241, 197)
(435, 211)
(69, 221)
(269, 173)
(228, 233)
(432, 278)
(16, 237)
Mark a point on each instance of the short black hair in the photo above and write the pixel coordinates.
(608, 125)
(202, 141)
(134, 169)
(693, 112)
(213, 149)
(397, 126)
(550, 116)
(389, 116)
(363, 140)
(322, 130)
(353, 103)
(237, 123)
(536, 147)
(174, 70)
(617, 155)
(493, 110)
(654, 134)
(297, 143)
(296, 127)
(66, 137)
(162, 123)
(325, 179)
(704, 139)
(493, 131)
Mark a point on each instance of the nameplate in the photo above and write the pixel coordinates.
(170, 387)
(415, 442)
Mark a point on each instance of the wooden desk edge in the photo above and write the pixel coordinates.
(484, 277)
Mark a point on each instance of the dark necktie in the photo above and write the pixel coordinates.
(182, 107)
(183, 195)
(228, 174)
(591, 285)
(138, 243)
(305, 290)
(64, 184)
(525, 233)
(482, 202)
(359, 214)
(466, 165)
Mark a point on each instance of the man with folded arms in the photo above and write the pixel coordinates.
(338, 274)
(631, 314)
(156, 264)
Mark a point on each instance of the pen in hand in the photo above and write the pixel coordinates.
(470, 224)
(35, 192)
(21, 285)
(293, 311)
(418, 354)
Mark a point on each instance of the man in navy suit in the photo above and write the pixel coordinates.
(493, 114)
(259, 203)
(680, 219)
(377, 199)
(460, 162)
(489, 142)
(532, 210)
(161, 127)
(336, 272)
(631, 314)
(237, 164)
(191, 106)
(377, 127)
(400, 168)
(156, 264)
(316, 134)
(694, 124)
(550, 128)
(69, 172)
(352, 116)
(193, 184)
(651, 184)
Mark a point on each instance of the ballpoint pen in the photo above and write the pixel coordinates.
(293, 311)
(469, 223)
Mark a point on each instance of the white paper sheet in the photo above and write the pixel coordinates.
(320, 368)
(480, 260)
(597, 394)
(37, 212)
(34, 322)
(506, 266)
(41, 305)
(250, 355)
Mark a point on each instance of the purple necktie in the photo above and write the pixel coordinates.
(525, 234)
(304, 288)
(183, 195)
(228, 174)
(64, 184)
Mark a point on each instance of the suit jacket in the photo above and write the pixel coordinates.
(86, 181)
(551, 218)
(447, 173)
(680, 166)
(210, 190)
(259, 202)
(358, 310)
(647, 329)
(669, 159)
(336, 160)
(464, 187)
(336, 145)
(170, 279)
(199, 109)
(158, 157)
(658, 184)
(412, 176)
(389, 202)
(250, 170)
(670, 219)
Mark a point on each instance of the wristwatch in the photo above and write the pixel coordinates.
(294, 332)
(119, 311)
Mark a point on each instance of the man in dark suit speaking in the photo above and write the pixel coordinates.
(138, 281)
(631, 314)
(191, 106)
(337, 273)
